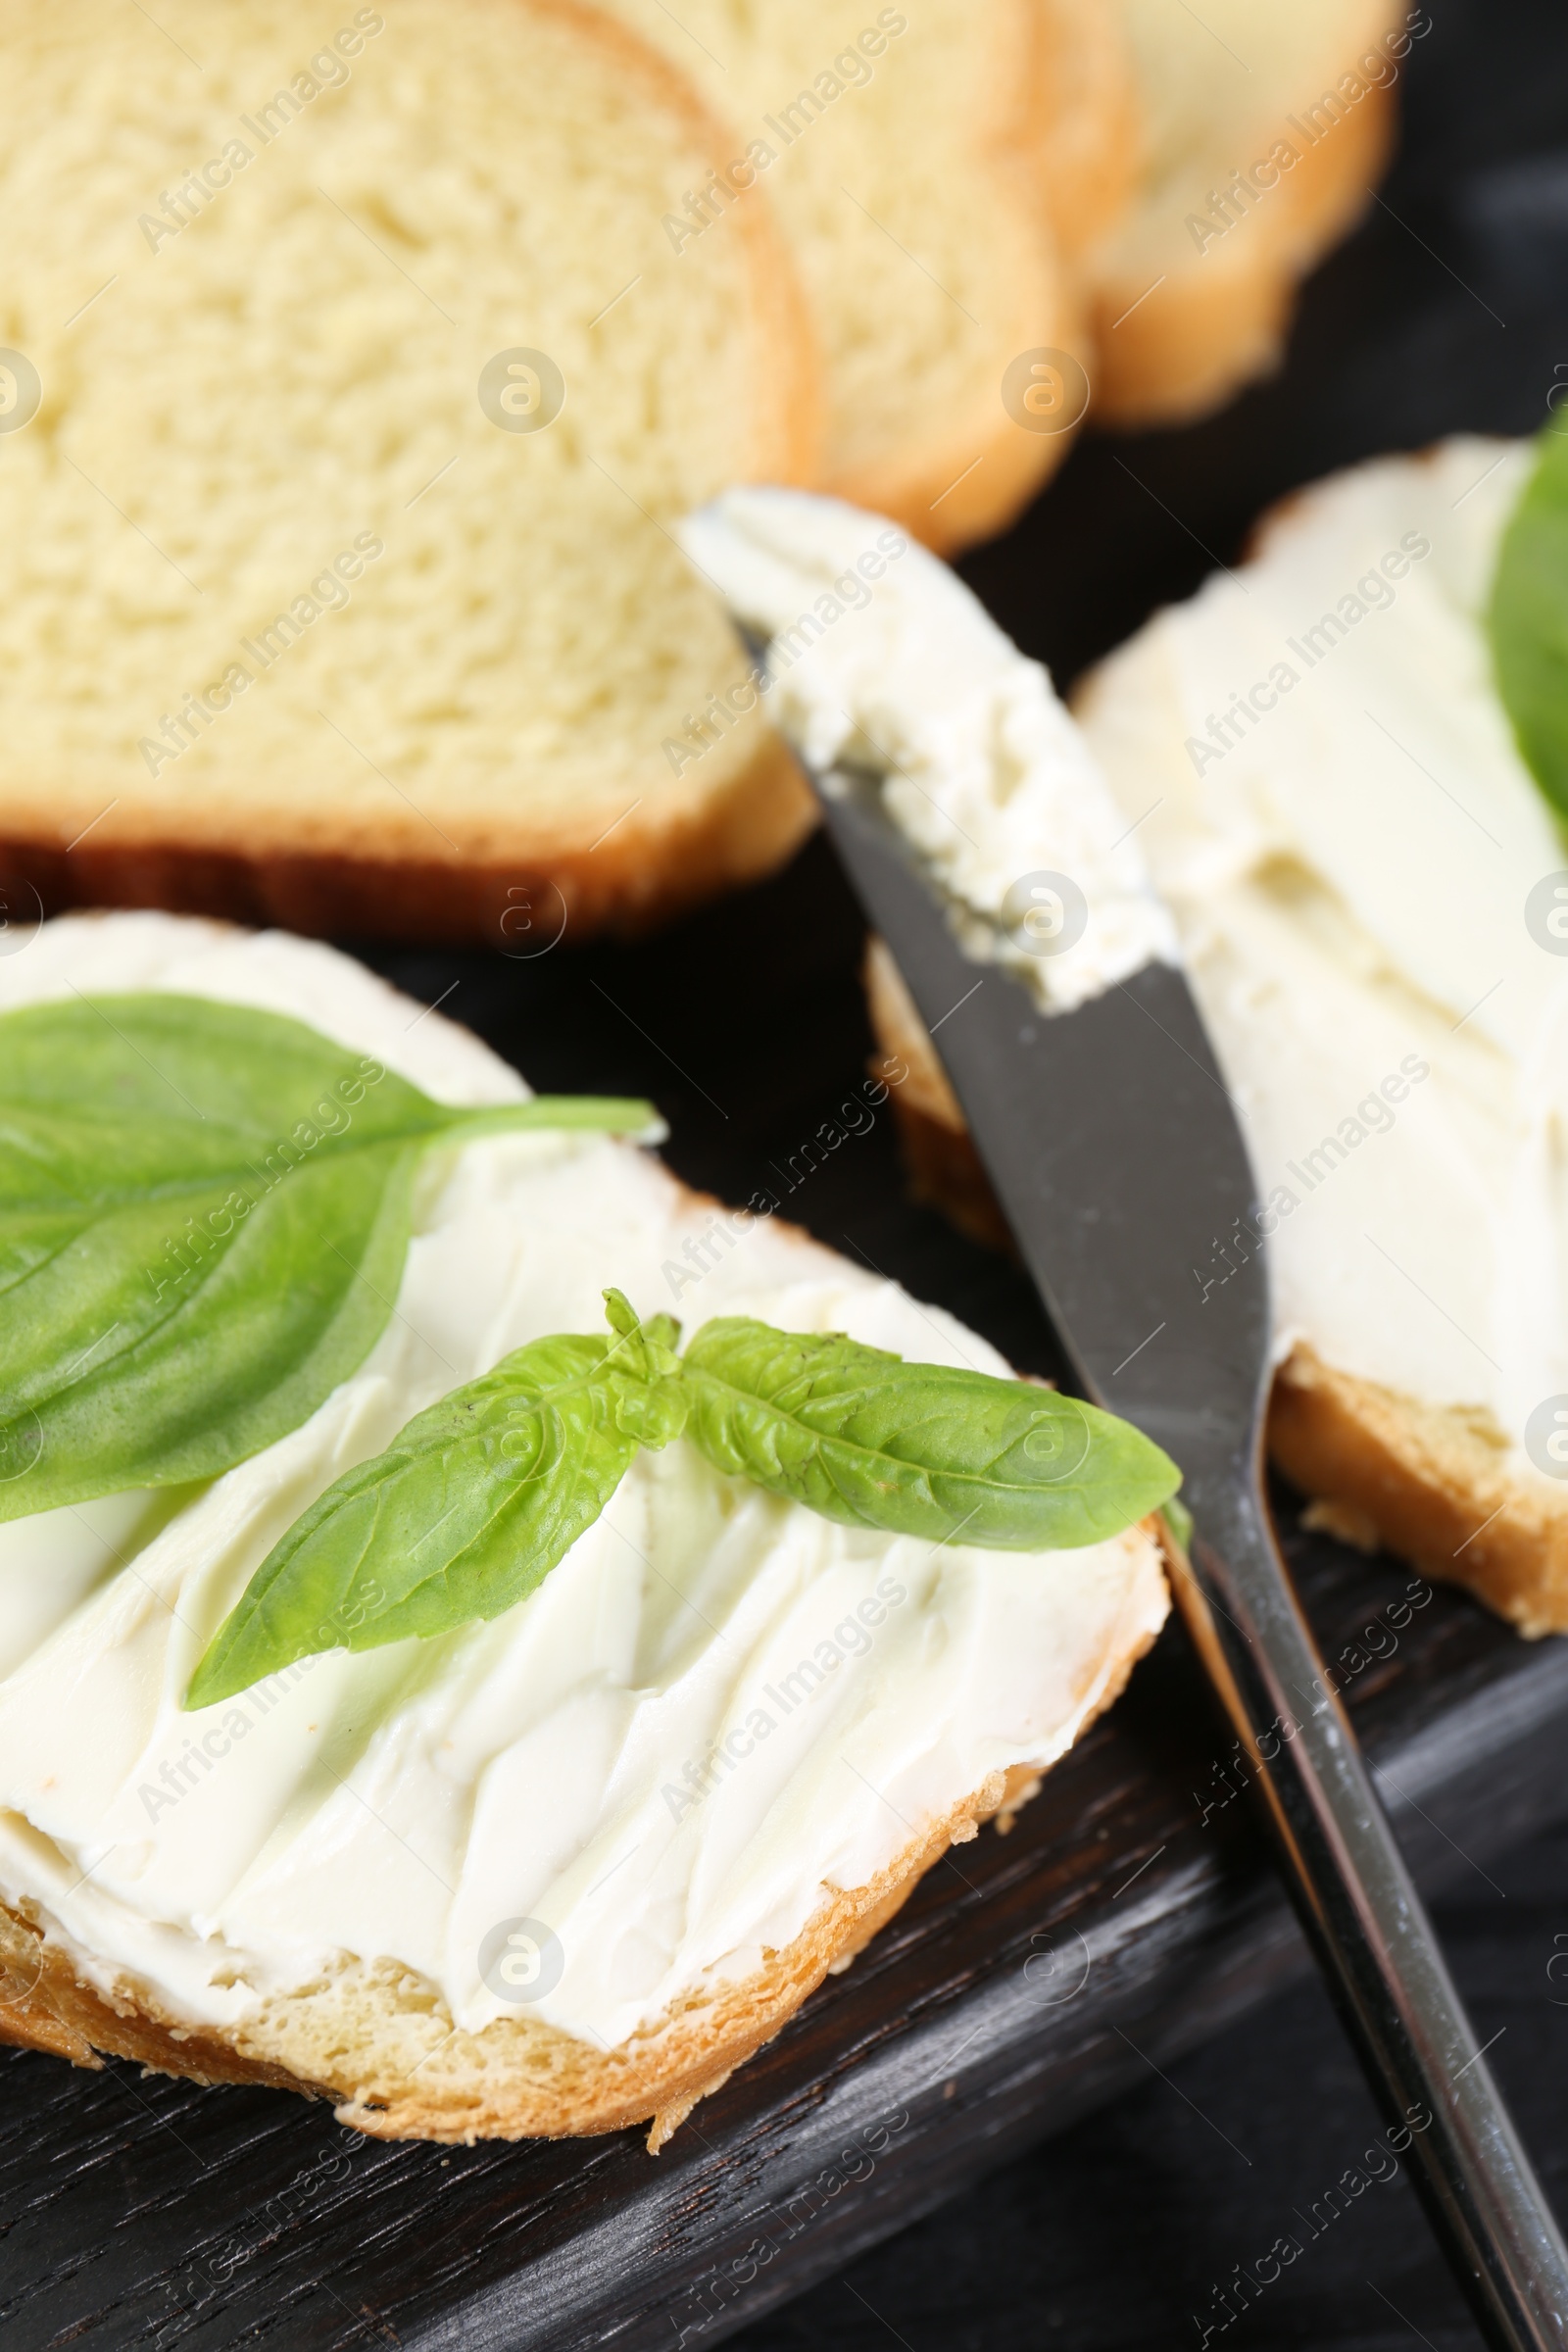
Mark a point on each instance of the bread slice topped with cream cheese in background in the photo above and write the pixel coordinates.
(1358, 744)
(428, 1677)
(1343, 768)
(353, 384)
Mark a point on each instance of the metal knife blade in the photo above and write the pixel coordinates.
(1075, 1115)
(1114, 1147)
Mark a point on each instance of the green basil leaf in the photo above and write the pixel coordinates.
(204, 1217)
(861, 1436)
(477, 1500)
(1528, 622)
(467, 1511)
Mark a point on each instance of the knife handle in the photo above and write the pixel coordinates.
(1365, 1920)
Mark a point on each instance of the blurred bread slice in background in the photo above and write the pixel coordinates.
(350, 382)
(1092, 139)
(356, 379)
(1262, 127)
(901, 150)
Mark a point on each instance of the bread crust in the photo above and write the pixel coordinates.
(1089, 134)
(972, 483)
(1170, 353)
(331, 873)
(946, 1172)
(521, 897)
(1432, 1484)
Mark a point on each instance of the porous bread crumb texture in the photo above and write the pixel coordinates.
(227, 410)
(907, 168)
(1180, 321)
(1432, 1484)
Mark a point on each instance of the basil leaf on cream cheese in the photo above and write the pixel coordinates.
(204, 1215)
(481, 1495)
(1527, 620)
(467, 1511)
(919, 1450)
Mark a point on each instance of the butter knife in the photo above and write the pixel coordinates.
(1111, 1144)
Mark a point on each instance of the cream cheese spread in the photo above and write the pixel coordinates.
(1349, 841)
(716, 1711)
(881, 661)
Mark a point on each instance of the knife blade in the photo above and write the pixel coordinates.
(1114, 1147)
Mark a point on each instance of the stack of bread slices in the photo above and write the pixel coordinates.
(353, 373)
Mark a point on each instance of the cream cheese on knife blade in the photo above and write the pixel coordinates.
(882, 661)
(1347, 861)
(558, 1764)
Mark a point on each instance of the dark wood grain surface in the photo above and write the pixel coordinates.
(1116, 2235)
(1046, 1984)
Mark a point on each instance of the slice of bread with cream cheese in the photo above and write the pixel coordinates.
(1361, 867)
(561, 1871)
(1312, 764)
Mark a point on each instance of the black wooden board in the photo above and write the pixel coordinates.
(1030, 1977)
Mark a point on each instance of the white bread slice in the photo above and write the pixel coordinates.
(1183, 317)
(124, 1965)
(901, 151)
(239, 382)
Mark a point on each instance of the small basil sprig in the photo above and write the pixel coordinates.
(1528, 622)
(481, 1495)
(204, 1215)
